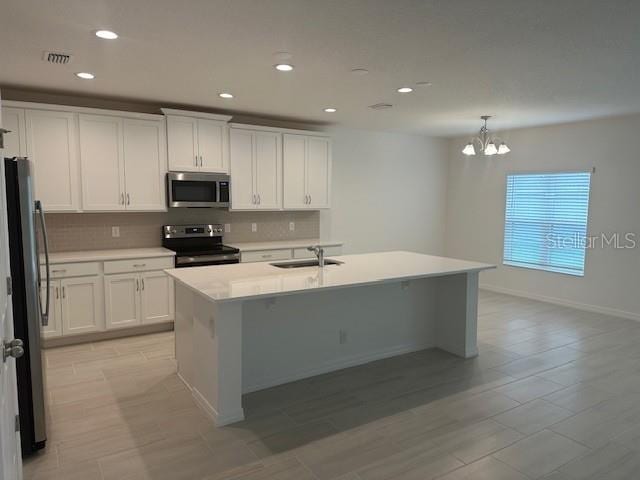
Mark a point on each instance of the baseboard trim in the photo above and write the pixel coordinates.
(108, 335)
(335, 365)
(207, 408)
(563, 302)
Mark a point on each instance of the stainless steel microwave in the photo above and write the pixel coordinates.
(198, 190)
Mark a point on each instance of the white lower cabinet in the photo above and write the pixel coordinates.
(54, 325)
(138, 298)
(82, 309)
(88, 297)
(157, 297)
(122, 300)
(75, 306)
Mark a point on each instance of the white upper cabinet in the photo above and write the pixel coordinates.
(319, 172)
(307, 171)
(102, 162)
(52, 146)
(145, 164)
(212, 146)
(123, 163)
(197, 142)
(15, 142)
(256, 169)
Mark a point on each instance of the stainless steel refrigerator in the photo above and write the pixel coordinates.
(30, 297)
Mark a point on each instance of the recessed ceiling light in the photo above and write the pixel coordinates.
(106, 34)
(405, 90)
(225, 95)
(330, 110)
(85, 75)
(284, 67)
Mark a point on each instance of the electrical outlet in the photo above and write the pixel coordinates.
(254, 227)
(227, 228)
(115, 232)
(292, 226)
(342, 336)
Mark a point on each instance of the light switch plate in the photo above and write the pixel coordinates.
(254, 227)
(115, 232)
(292, 226)
(227, 228)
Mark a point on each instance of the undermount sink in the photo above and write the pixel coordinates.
(305, 263)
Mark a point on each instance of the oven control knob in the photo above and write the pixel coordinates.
(209, 230)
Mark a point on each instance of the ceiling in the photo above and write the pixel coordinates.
(526, 62)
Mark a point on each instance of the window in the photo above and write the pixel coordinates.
(546, 221)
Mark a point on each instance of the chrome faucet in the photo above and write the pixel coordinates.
(319, 251)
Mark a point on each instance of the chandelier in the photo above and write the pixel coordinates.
(486, 143)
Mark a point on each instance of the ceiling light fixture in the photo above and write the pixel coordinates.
(85, 75)
(106, 34)
(330, 110)
(360, 71)
(405, 90)
(486, 143)
(284, 67)
(225, 95)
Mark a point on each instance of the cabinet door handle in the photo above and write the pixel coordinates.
(57, 293)
(64, 293)
(142, 283)
(58, 271)
(128, 199)
(309, 199)
(253, 199)
(259, 199)
(139, 265)
(196, 160)
(200, 160)
(122, 198)
(137, 286)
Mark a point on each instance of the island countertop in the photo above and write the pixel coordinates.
(243, 281)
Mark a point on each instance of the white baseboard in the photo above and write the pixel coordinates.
(207, 408)
(563, 302)
(327, 367)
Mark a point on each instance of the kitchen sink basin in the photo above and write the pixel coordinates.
(305, 263)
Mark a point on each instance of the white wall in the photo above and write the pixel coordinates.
(475, 209)
(389, 192)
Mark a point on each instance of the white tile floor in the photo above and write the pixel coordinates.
(555, 393)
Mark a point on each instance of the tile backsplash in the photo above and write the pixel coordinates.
(92, 231)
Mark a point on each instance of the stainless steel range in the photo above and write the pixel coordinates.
(198, 245)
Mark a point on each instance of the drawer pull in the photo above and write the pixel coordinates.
(267, 256)
(139, 265)
(58, 271)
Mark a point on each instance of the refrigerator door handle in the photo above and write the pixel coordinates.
(45, 313)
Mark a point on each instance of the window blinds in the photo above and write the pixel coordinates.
(546, 221)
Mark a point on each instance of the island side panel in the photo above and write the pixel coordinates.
(457, 314)
(213, 367)
(298, 336)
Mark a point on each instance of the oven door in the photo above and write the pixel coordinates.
(203, 190)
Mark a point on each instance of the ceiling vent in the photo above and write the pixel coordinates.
(57, 58)
(381, 106)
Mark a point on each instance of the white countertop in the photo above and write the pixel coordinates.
(245, 281)
(102, 255)
(276, 245)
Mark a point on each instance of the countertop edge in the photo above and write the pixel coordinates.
(101, 256)
(328, 288)
(284, 244)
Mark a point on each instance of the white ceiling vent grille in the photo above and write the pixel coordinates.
(380, 106)
(57, 58)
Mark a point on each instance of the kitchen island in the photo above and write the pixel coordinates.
(249, 326)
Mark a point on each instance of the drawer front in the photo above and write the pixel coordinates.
(65, 270)
(328, 251)
(265, 255)
(138, 265)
